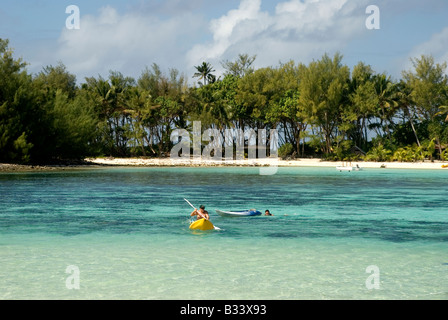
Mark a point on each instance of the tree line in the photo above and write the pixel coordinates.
(322, 109)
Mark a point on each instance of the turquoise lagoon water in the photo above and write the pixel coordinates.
(126, 231)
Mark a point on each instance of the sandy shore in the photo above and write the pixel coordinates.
(167, 162)
(264, 162)
(7, 167)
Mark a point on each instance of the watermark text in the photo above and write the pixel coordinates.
(73, 21)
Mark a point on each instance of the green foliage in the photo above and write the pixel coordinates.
(343, 151)
(428, 84)
(285, 150)
(22, 148)
(19, 110)
(204, 73)
(322, 108)
(323, 87)
(253, 96)
(444, 155)
(51, 79)
(240, 67)
(414, 153)
(405, 154)
(363, 102)
(75, 125)
(378, 153)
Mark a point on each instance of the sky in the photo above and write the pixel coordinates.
(128, 36)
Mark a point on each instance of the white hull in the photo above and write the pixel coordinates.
(245, 213)
(348, 168)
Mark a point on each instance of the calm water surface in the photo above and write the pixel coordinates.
(126, 231)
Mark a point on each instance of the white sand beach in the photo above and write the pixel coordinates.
(267, 162)
(263, 162)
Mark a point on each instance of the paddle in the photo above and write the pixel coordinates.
(191, 219)
(190, 204)
(194, 208)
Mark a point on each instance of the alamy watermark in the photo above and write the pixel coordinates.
(73, 21)
(373, 280)
(72, 281)
(373, 20)
(233, 141)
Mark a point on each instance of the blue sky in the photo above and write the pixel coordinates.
(127, 36)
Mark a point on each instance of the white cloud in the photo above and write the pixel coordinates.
(301, 30)
(236, 26)
(125, 42)
(437, 46)
(297, 29)
(307, 17)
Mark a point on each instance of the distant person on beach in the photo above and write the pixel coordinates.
(268, 213)
(201, 213)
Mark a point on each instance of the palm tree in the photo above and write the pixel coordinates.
(386, 91)
(443, 111)
(406, 104)
(205, 73)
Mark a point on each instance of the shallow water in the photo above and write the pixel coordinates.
(126, 231)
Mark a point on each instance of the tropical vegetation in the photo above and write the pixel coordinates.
(321, 109)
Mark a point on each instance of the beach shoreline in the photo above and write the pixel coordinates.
(266, 162)
(168, 162)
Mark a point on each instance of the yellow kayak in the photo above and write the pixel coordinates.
(202, 224)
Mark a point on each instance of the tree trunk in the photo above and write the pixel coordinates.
(413, 129)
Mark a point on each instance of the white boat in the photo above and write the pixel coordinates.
(243, 213)
(348, 168)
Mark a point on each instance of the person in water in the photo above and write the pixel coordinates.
(268, 213)
(201, 213)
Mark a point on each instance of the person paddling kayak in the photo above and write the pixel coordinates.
(201, 213)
